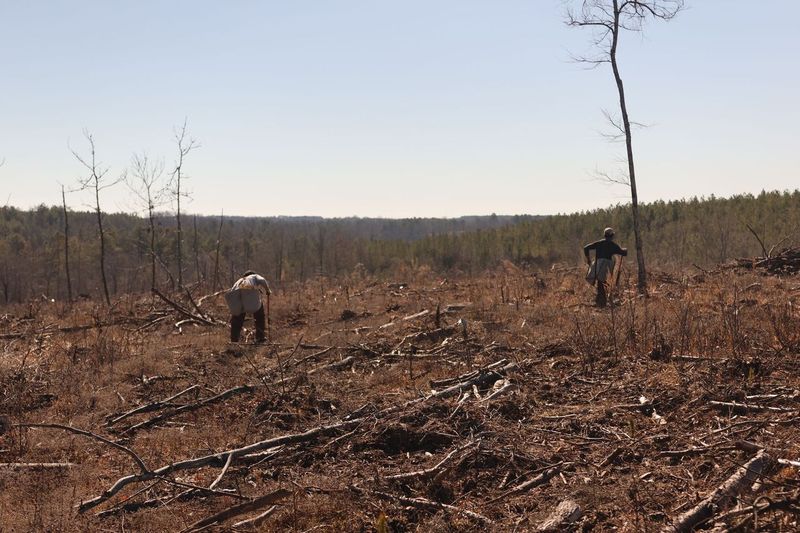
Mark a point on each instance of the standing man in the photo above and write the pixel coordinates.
(603, 265)
(245, 297)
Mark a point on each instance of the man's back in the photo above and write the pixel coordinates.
(244, 296)
(605, 249)
(250, 281)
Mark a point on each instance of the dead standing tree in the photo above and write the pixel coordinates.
(96, 181)
(185, 144)
(217, 285)
(608, 18)
(145, 181)
(66, 244)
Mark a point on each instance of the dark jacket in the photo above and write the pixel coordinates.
(604, 249)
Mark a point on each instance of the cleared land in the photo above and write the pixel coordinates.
(371, 411)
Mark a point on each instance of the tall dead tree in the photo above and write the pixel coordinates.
(96, 181)
(185, 144)
(66, 244)
(196, 249)
(217, 285)
(145, 181)
(279, 259)
(607, 18)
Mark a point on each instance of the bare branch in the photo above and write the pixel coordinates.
(185, 144)
(77, 431)
(621, 179)
(95, 181)
(143, 180)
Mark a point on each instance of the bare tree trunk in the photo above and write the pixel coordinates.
(102, 244)
(66, 245)
(185, 145)
(321, 250)
(642, 274)
(5, 281)
(196, 254)
(97, 180)
(607, 18)
(180, 236)
(217, 285)
(152, 247)
(279, 273)
(79, 263)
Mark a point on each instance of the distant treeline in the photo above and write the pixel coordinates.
(32, 248)
(677, 234)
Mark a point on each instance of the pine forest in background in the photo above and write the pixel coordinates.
(678, 235)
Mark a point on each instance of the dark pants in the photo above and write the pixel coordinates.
(602, 299)
(237, 321)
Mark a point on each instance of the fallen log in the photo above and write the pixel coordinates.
(182, 310)
(694, 451)
(744, 407)
(188, 408)
(433, 335)
(344, 363)
(483, 378)
(311, 356)
(742, 478)
(197, 307)
(752, 510)
(129, 506)
(155, 406)
(567, 512)
(435, 470)
(468, 375)
(541, 479)
(697, 358)
(151, 323)
(774, 452)
(421, 314)
(428, 505)
(65, 329)
(180, 323)
(505, 387)
(453, 308)
(222, 473)
(83, 432)
(257, 520)
(405, 319)
(236, 510)
(207, 296)
(407, 356)
(35, 466)
(219, 459)
(307, 346)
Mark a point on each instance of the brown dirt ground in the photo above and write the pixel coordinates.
(601, 395)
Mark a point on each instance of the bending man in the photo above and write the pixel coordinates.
(603, 266)
(245, 297)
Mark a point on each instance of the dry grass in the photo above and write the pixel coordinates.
(576, 403)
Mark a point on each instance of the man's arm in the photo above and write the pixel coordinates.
(261, 281)
(586, 249)
(621, 251)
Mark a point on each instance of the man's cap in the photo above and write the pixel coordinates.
(248, 273)
(608, 232)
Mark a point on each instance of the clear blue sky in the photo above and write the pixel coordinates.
(403, 108)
